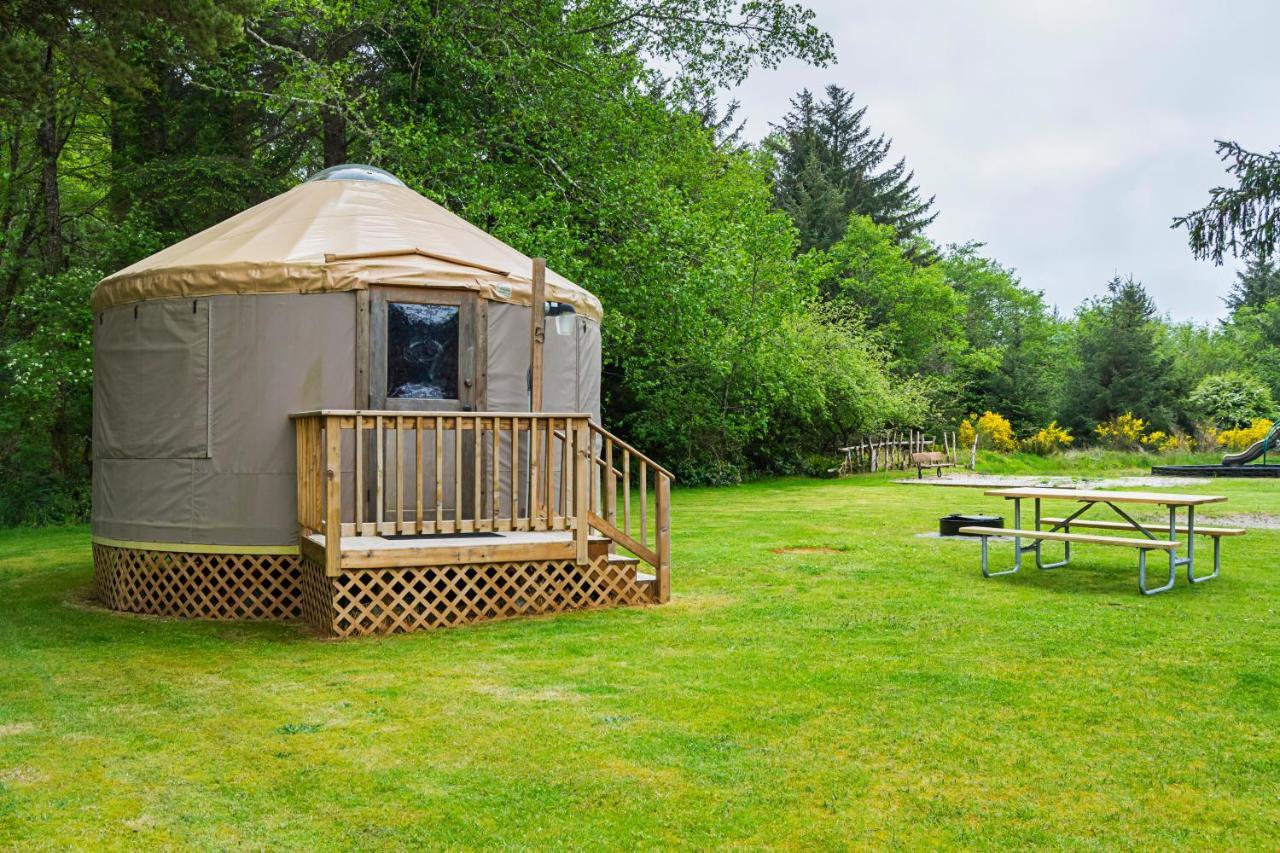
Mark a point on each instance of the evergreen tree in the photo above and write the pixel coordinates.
(1255, 286)
(1243, 220)
(1120, 365)
(830, 165)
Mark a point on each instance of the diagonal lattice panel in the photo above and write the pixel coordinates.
(386, 601)
(198, 586)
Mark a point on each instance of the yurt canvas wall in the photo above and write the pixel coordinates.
(192, 439)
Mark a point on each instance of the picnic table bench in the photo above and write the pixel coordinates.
(930, 459)
(1060, 530)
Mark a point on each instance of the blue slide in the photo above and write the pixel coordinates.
(1254, 450)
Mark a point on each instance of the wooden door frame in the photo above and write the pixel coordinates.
(371, 360)
(371, 347)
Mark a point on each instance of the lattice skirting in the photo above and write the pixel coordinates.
(198, 586)
(386, 601)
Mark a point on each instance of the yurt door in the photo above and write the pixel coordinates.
(424, 356)
(422, 350)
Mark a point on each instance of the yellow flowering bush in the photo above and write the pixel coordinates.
(1236, 440)
(1048, 440)
(993, 431)
(1161, 443)
(1122, 432)
(1126, 432)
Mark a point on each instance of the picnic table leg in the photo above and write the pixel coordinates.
(1174, 562)
(1017, 546)
(1066, 547)
(1217, 552)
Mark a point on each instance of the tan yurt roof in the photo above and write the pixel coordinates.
(338, 234)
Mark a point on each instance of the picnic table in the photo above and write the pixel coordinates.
(1060, 529)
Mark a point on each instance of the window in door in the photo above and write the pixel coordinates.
(422, 351)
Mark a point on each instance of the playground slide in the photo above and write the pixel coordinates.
(1254, 450)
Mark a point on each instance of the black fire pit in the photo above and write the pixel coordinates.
(949, 525)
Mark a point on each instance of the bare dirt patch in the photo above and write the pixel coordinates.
(22, 776)
(15, 728)
(1255, 520)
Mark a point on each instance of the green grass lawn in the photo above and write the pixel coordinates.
(873, 692)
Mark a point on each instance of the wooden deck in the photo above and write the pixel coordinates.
(377, 552)
(450, 518)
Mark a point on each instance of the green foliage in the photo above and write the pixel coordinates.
(1253, 339)
(1015, 347)
(1231, 400)
(46, 376)
(1243, 220)
(1086, 463)
(1255, 286)
(829, 166)
(913, 310)
(1119, 366)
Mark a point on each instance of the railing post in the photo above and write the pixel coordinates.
(610, 485)
(581, 493)
(333, 497)
(663, 537)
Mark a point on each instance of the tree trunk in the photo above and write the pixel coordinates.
(117, 197)
(334, 133)
(47, 142)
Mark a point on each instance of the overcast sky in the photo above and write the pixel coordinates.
(1064, 135)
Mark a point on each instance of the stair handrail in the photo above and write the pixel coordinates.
(601, 431)
(605, 478)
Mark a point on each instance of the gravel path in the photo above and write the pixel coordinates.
(995, 481)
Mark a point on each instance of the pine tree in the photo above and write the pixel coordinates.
(830, 165)
(1256, 285)
(1120, 366)
(1243, 220)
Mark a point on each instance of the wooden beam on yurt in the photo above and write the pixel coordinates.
(537, 332)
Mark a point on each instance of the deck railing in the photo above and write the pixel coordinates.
(621, 471)
(384, 473)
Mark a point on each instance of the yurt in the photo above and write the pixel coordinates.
(338, 406)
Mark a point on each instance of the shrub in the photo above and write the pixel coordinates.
(1236, 440)
(1122, 432)
(1161, 442)
(1231, 400)
(1048, 440)
(994, 432)
(1126, 432)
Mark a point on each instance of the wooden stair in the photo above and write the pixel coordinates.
(646, 583)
